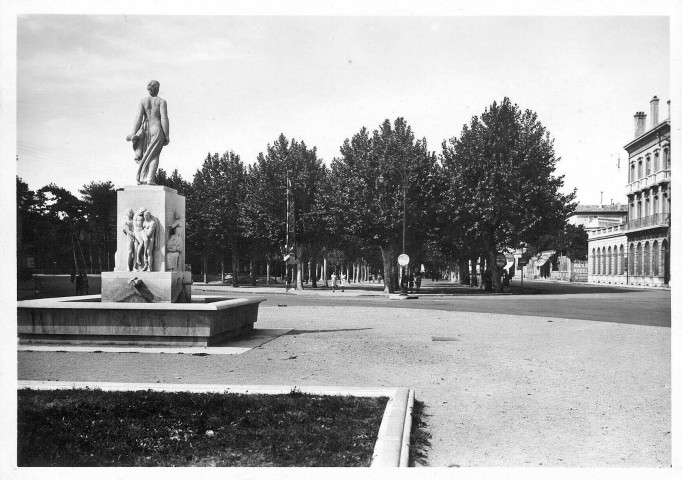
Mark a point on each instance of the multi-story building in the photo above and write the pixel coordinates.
(637, 252)
(594, 217)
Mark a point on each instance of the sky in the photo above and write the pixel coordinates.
(237, 82)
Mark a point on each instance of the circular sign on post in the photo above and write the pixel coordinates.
(501, 260)
(403, 259)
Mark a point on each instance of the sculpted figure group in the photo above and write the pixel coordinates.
(142, 239)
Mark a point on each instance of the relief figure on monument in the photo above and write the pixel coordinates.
(150, 134)
(151, 231)
(129, 232)
(140, 238)
(174, 245)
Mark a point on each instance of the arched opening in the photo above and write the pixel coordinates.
(631, 259)
(665, 253)
(594, 262)
(655, 268)
(638, 259)
(621, 268)
(647, 253)
(609, 264)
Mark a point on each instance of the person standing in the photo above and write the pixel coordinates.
(333, 281)
(343, 281)
(150, 134)
(418, 280)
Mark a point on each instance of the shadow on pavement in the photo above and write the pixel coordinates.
(304, 332)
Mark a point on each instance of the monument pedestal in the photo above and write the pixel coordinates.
(147, 287)
(167, 282)
(164, 204)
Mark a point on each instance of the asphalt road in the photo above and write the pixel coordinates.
(541, 299)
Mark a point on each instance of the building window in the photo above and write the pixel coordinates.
(631, 260)
(656, 165)
(639, 169)
(632, 173)
(647, 252)
(666, 159)
(594, 262)
(621, 267)
(638, 260)
(648, 165)
(654, 260)
(603, 261)
(655, 210)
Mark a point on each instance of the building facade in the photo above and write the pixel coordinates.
(637, 252)
(595, 217)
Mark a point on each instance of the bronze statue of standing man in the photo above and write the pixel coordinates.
(150, 134)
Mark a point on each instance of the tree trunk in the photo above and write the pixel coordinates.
(324, 271)
(301, 254)
(388, 255)
(313, 276)
(464, 275)
(73, 249)
(235, 265)
(267, 272)
(494, 269)
(473, 278)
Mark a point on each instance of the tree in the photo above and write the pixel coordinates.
(570, 242)
(62, 225)
(174, 181)
(380, 184)
(501, 172)
(216, 206)
(266, 208)
(26, 220)
(99, 208)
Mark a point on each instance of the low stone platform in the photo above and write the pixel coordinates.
(86, 320)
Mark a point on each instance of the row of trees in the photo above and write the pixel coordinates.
(490, 189)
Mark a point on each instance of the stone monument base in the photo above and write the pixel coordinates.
(86, 320)
(147, 287)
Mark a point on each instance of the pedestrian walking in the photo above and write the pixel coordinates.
(343, 282)
(418, 280)
(411, 282)
(333, 281)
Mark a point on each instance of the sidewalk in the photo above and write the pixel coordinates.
(499, 390)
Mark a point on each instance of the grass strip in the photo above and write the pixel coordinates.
(94, 428)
